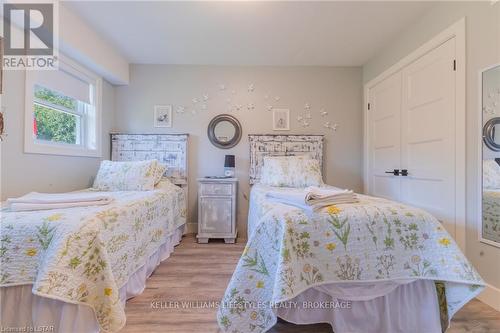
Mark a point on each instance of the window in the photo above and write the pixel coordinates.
(57, 118)
(63, 111)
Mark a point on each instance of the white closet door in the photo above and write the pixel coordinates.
(384, 118)
(428, 134)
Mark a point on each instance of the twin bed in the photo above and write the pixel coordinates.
(72, 270)
(370, 266)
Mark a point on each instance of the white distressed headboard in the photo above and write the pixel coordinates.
(282, 145)
(170, 149)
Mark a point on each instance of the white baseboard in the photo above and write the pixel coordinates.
(490, 296)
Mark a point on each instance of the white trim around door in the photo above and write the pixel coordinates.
(457, 31)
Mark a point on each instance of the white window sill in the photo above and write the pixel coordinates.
(54, 149)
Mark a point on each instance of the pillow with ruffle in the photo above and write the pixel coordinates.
(160, 172)
(126, 176)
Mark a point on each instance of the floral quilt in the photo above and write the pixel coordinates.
(491, 215)
(85, 255)
(374, 240)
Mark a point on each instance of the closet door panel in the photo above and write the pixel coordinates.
(428, 134)
(384, 119)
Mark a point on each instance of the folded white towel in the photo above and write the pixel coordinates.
(315, 195)
(43, 201)
(313, 198)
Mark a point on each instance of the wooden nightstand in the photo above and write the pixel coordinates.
(217, 209)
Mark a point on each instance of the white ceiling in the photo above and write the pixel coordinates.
(249, 33)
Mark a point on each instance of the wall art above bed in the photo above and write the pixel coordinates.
(282, 145)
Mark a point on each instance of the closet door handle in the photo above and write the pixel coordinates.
(395, 172)
(404, 172)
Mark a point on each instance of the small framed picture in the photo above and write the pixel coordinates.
(163, 116)
(281, 119)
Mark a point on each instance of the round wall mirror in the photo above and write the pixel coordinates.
(224, 131)
(491, 134)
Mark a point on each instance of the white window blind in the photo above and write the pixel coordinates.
(64, 82)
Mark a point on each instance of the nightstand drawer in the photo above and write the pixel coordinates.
(216, 189)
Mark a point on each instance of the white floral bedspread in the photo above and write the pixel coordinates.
(84, 255)
(491, 214)
(373, 240)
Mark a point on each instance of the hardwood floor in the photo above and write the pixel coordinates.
(201, 272)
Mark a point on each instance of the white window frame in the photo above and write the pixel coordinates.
(34, 146)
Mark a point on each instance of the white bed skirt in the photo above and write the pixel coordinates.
(381, 307)
(21, 309)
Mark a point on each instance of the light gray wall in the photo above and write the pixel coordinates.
(483, 50)
(22, 173)
(337, 90)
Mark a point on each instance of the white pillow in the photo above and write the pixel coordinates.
(491, 174)
(126, 176)
(291, 171)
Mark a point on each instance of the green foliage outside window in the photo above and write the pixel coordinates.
(52, 124)
(55, 98)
